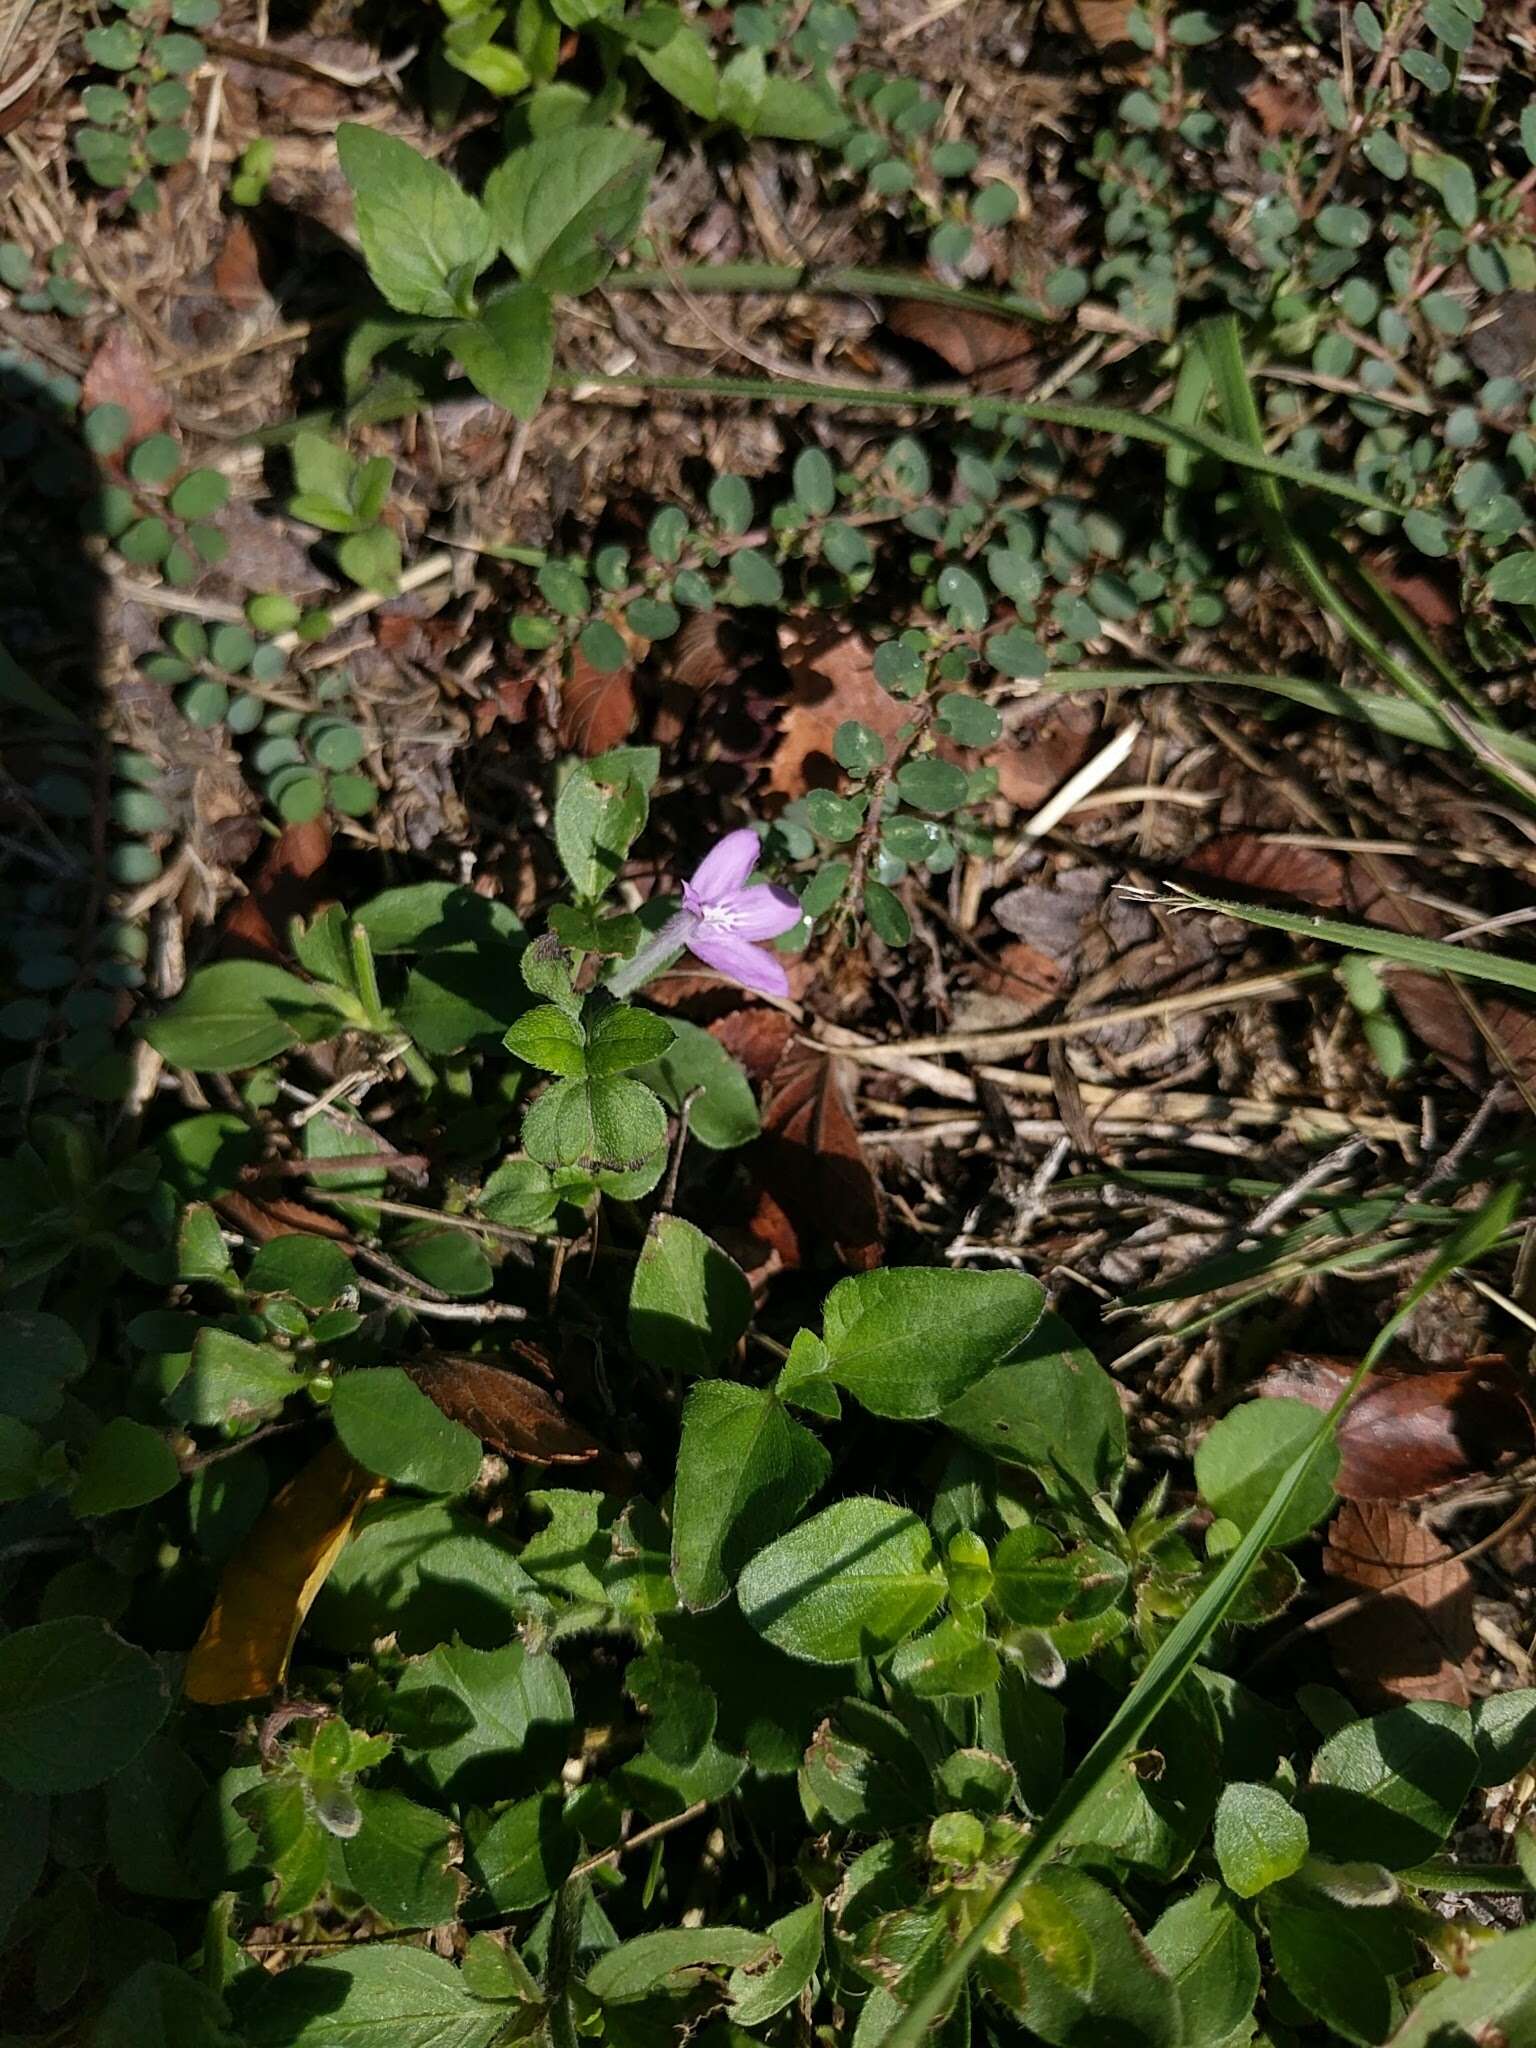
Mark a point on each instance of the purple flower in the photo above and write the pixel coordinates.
(727, 922)
(722, 922)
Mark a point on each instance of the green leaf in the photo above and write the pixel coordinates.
(1081, 1972)
(314, 1270)
(23, 1461)
(549, 1039)
(238, 1013)
(369, 1997)
(758, 104)
(601, 809)
(745, 1470)
(291, 1841)
(446, 1257)
(887, 914)
(672, 1959)
(950, 1661)
(425, 239)
(371, 559)
(427, 916)
(461, 995)
(232, 1380)
(399, 1860)
(520, 1194)
(1053, 1407)
(723, 1110)
(683, 66)
(1038, 1584)
(1333, 1972)
(39, 1355)
(908, 1341)
(689, 1302)
(1243, 1456)
(1513, 580)
(758, 1993)
(159, 2006)
(849, 1583)
(1260, 1839)
(509, 351)
(930, 784)
(390, 1425)
(1492, 1994)
(494, 1714)
(77, 1704)
(422, 1571)
(1504, 1730)
(526, 1853)
(815, 481)
(613, 1123)
(125, 1465)
(169, 1834)
(564, 205)
(1390, 1788)
(623, 1037)
(1210, 1954)
(970, 720)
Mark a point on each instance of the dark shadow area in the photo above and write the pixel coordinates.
(66, 987)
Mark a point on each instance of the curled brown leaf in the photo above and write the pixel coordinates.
(503, 1409)
(1416, 1637)
(1407, 1434)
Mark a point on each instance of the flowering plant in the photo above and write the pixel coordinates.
(725, 921)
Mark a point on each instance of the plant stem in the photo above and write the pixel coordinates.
(1156, 428)
(834, 282)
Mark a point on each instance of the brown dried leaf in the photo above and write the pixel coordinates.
(995, 353)
(265, 1219)
(705, 651)
(1048, 913)
(1281, 109)
(1407, 1434)
(1100, 22)
(284, 887)
(120, 374)
(270, 1584)
(832, 679)
(1430, 595)
(1414, 1644)
(237, 269)
(816, 1186)
(504, 1410)
(1378, 890)
(1023, 976)
(1251, 860)
(755, 1035)
(597, 710)
(1036, 758)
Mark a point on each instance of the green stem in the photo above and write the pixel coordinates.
(418, 1067)
(834, 282)
(1396, 716)
(1445, 1875)
(365, 975)
(1220, 341)
(1156, 428)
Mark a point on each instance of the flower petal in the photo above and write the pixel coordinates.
(764, 912)
(724, 869)
(739, 960)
